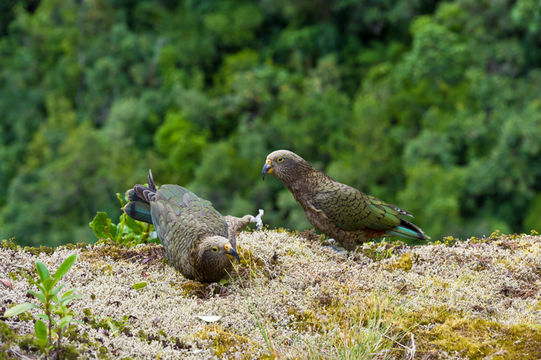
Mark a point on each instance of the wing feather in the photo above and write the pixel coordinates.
(353, 210)
(178, 209)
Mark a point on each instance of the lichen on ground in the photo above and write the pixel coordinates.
(293, 297)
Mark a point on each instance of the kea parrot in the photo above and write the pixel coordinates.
(197, 239)
(340, 211)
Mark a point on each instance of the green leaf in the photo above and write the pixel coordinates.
(38, 296)
(40, 287)
(65, 321)
(57, 290)
(65, 266)
(41, 330)
(42, 344)
(67, 299)
(101, 225)
(120, 198)
(61, 310)
(139, 285)
(48, 285)
(19, 308)
(67, 293)
(43, 272)
(112, 327)
(114, 231)
(133, 225)
(43, 316)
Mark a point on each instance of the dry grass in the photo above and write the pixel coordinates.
(291, 297)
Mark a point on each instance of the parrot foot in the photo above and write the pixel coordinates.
(257, 219)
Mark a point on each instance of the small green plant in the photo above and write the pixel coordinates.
(127, 232)
(263, 329)
(55, 311)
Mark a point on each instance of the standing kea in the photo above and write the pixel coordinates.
(340, 211)
(197, 239)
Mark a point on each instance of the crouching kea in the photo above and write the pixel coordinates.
(197, 239)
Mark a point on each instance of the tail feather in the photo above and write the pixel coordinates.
(139, 198)
(132, 196)
(408, 230)
(151, 184)
(138, 210)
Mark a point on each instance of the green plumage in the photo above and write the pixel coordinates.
(338, 210)
(352, 210)
(181, 219)
(197, 239)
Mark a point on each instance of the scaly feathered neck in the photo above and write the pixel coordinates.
(303, 176)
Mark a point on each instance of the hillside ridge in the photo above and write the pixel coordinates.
(292, 295)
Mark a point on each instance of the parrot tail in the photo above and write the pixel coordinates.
(408, 230)
(139, 198)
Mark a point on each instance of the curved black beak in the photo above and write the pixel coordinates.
(267, 169)
(232, 254)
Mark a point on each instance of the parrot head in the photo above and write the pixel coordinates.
(283, 164)
(213, 258)
(217, 250)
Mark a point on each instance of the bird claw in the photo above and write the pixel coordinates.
(257, 219)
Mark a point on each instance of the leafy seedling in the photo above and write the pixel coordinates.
(127, 232)
(56, 316)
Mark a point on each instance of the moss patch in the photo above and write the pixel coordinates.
(404, 263)
(144, 254)
(225, 342)
(8, 245)
(199, 290)
(7, 337)
(381, 250)
(439, 332)
(41, 250)
(255, 266)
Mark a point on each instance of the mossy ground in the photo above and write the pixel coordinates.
(293, 297)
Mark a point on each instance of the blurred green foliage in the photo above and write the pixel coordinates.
(127, 232)
(433, 106)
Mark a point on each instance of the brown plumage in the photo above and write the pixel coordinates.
(340, 211)
(197, 239)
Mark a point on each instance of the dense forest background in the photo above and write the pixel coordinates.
(434, 106)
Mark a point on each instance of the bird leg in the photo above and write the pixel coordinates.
(236, 224)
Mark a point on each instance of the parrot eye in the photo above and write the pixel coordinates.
(214, 249)
(280, 159)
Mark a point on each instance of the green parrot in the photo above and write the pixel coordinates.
(338, 210)
(197, 239)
